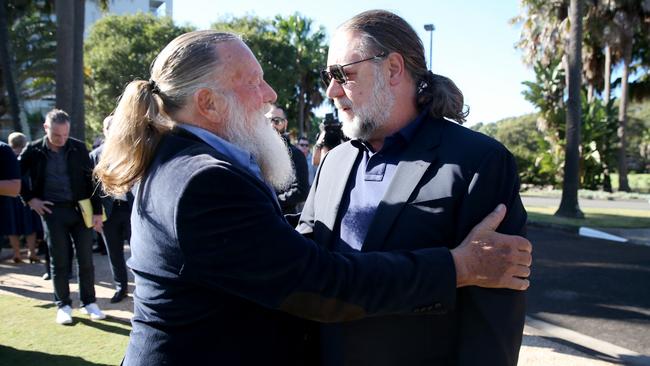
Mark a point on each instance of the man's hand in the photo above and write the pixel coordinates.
(490, 259)
(40, 206)
(97, 223)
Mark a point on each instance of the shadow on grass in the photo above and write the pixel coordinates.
(103, 325)
(13, 356)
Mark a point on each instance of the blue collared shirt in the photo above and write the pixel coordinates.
(240, 157)
(370, 177)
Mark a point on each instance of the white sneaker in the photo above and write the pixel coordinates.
(64, 315)
(93, 310)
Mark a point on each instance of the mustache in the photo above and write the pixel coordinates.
(340, 104)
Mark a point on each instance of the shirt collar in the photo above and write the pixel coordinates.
(404, 135)
(239, 156)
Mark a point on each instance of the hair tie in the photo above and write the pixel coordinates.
(426, 83)
(153, 87)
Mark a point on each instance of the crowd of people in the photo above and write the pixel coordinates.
(400, 248)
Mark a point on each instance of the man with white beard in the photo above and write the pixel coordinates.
(220, 275)
(410, 178)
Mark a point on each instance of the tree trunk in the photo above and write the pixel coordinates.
(569, 206)
(608, 74)
(622, 119)
(607, 179)
(301, 111)
(7, 69)
(69, 62)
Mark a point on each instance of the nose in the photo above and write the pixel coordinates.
(334, 89)
(270, 96)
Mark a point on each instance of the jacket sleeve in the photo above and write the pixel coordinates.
(94, 191)
(492, 320)
(26, 161)
(234, 239)
(297, 192)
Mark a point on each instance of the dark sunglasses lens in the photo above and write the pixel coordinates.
(338, 74)
(325, 77)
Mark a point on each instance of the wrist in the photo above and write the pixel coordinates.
(459, 265)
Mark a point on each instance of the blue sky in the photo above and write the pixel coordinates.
(472, 43)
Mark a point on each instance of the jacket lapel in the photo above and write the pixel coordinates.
(417, 158)
(340, 161)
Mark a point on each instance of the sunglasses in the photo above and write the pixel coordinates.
(277, 120)
(303, 145)
(337, 73)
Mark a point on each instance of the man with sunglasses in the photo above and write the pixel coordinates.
(293, 197)
(410, 178)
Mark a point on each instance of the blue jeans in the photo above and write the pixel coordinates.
(65, 223)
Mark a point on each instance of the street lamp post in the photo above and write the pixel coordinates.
(430, 28)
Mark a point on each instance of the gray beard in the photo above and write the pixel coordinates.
(373, 115)
(253, 133)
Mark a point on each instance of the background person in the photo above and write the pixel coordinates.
(23, 221)
(60, 172)
(116, 228)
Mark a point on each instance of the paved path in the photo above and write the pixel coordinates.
(540, 346)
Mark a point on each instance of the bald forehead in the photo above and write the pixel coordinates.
(236, 58)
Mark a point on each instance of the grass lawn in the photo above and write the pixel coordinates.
(30, 336)
(594, 217)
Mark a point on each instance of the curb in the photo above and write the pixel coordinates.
(574, 230)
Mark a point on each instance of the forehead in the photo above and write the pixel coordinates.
(59, 128)
(345, 45)
(239, 61)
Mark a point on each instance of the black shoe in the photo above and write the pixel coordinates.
(118, 296)
(46, 276)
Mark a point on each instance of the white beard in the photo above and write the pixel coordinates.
(253, 133)
(367, 119)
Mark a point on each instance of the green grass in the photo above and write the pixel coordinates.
(30, 336)
(594, 217)
(637, 182)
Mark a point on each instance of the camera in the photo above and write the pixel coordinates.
(331, 127)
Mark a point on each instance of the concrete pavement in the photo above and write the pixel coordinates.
(540, 345)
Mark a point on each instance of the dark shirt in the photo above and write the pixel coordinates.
(371, 175)
(57, 178)
(8, 163)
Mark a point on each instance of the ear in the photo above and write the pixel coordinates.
(209, 105)
(396, 68)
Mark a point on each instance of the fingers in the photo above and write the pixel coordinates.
(492, 221)
(48, 203)
(515, 283)
(522, 258)
(521, 271)
(45, 209)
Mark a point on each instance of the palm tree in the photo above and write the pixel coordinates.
(569, 206)
(308, 59)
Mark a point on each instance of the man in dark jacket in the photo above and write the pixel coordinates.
(116, 229)
(60, 172)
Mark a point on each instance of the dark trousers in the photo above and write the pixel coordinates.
(63, 223)
(116, 229)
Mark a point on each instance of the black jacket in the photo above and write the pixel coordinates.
(32, 164)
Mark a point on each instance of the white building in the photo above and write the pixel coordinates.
(160, 8)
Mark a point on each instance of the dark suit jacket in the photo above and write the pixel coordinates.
(214, 260)
(32, 164)
(449, 179)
